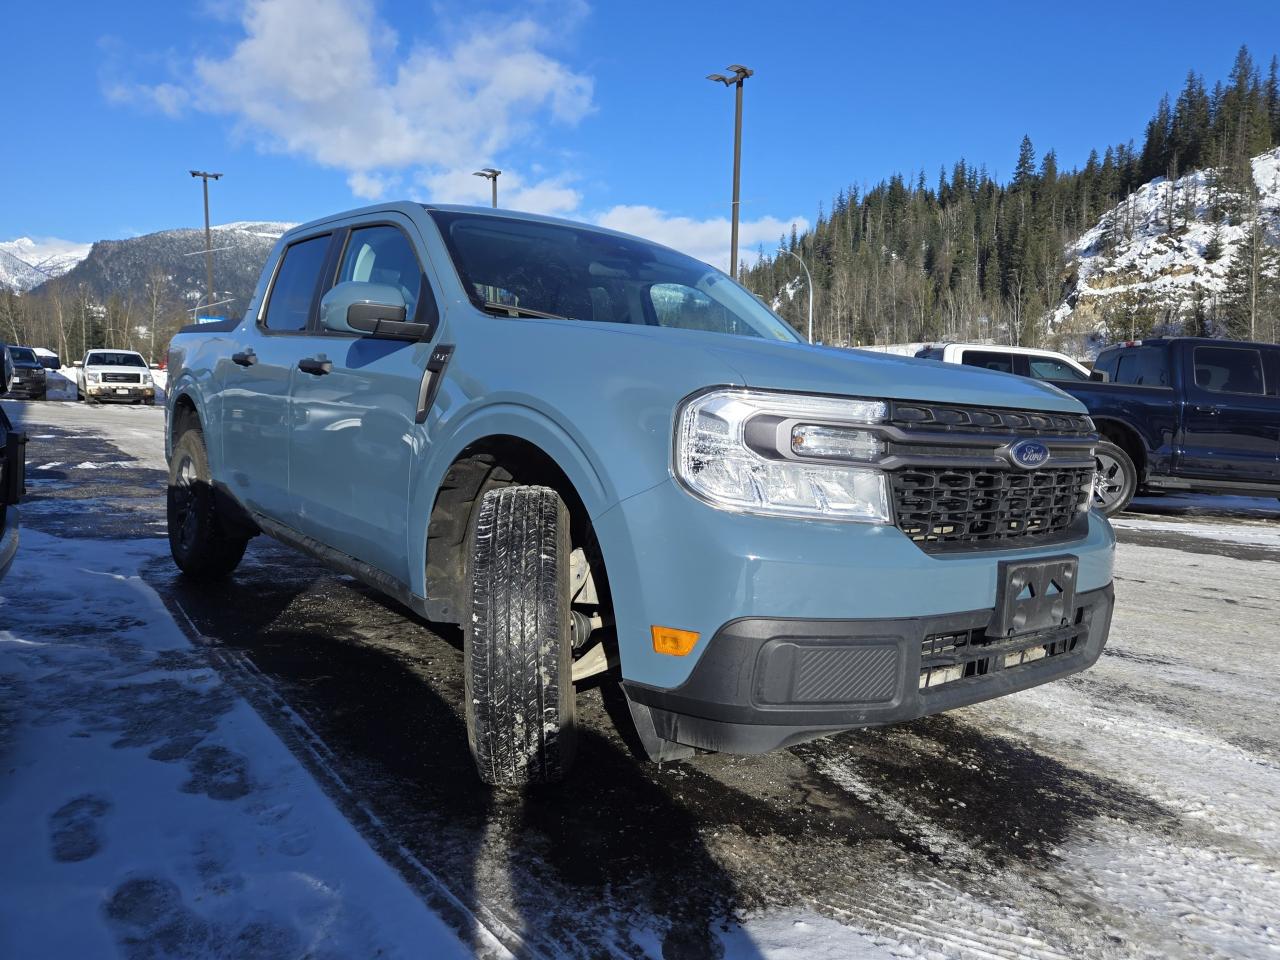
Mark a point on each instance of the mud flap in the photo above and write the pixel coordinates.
(659, 750)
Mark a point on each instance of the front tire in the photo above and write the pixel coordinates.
(1115, 479)
(517, 645)
(199, 540)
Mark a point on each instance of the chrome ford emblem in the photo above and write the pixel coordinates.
(1029, 454)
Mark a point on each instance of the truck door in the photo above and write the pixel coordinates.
(1230, 424)
(354, 415)
(254, 383)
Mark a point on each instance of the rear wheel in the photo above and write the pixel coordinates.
(517, 643)
(199, 539)
(1115, 478)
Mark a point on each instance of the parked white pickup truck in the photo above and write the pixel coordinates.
(115, 375)
(1023, 361)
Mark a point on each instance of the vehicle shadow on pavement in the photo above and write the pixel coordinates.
(1004, 797)
(604, 864)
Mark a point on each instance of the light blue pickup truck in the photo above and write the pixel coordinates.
(609, 461)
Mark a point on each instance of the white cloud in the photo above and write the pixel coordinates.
(708, 240)
(331, 82)
(550, 195)
(328, 80)
(169, 98)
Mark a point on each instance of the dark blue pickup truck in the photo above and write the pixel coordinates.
(1184, 413)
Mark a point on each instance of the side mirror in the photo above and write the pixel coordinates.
(1100, 375)
(369, 309)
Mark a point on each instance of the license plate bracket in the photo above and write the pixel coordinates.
(1034, 595)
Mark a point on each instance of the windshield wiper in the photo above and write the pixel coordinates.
(513, 311)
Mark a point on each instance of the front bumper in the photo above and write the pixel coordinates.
(762, 684)
(119, 391)
(673, 561)
(28, 389)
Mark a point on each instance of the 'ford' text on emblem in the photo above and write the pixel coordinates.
(1029, 454)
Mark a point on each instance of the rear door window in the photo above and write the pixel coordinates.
(294, 289)
(1142, 367)
(382, 254)
(989, 360)
(1229, 370)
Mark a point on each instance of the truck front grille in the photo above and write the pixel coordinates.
(122, 378)
(955, 487)
(936, 506)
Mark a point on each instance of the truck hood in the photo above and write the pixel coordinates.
(776, 365)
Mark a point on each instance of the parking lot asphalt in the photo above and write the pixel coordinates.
(1128, 811)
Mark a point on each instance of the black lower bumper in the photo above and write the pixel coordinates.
(763, 684)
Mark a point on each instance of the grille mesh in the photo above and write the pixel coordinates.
(121, 378)
(937, 506)
(934, 416)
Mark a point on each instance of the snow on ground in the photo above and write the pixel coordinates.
(1259, 535)
(1180, 711)
(148, 811)
(61, 384)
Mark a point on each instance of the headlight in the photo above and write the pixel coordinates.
(146, 378)
(783, 454)
(91, 377)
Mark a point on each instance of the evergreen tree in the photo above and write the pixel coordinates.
(970, 257)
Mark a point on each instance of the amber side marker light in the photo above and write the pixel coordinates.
(673, 642)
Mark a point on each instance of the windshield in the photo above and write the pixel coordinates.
(23, 355)
(526, 268)
(101, 359)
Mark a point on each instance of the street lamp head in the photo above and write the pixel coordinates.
(739, 71)
(489, 173)
(719, 78)
(209, 176)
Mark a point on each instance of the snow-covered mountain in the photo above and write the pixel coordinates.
(175, 258)
(1165, 254)
(26, 263)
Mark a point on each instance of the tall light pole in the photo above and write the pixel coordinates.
(491, 175)
(739, 74)
(809, 278)
(208, 234)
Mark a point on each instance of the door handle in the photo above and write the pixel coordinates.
(1210, 409)
(317, 368)
(245, 358)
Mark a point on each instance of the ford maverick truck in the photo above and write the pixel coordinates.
(607, 461)
(1185, 414)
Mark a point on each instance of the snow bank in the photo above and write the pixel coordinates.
(146, 807)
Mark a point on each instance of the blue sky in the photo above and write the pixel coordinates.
(596, 111)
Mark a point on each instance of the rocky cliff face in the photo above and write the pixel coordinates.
(1171, 257)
